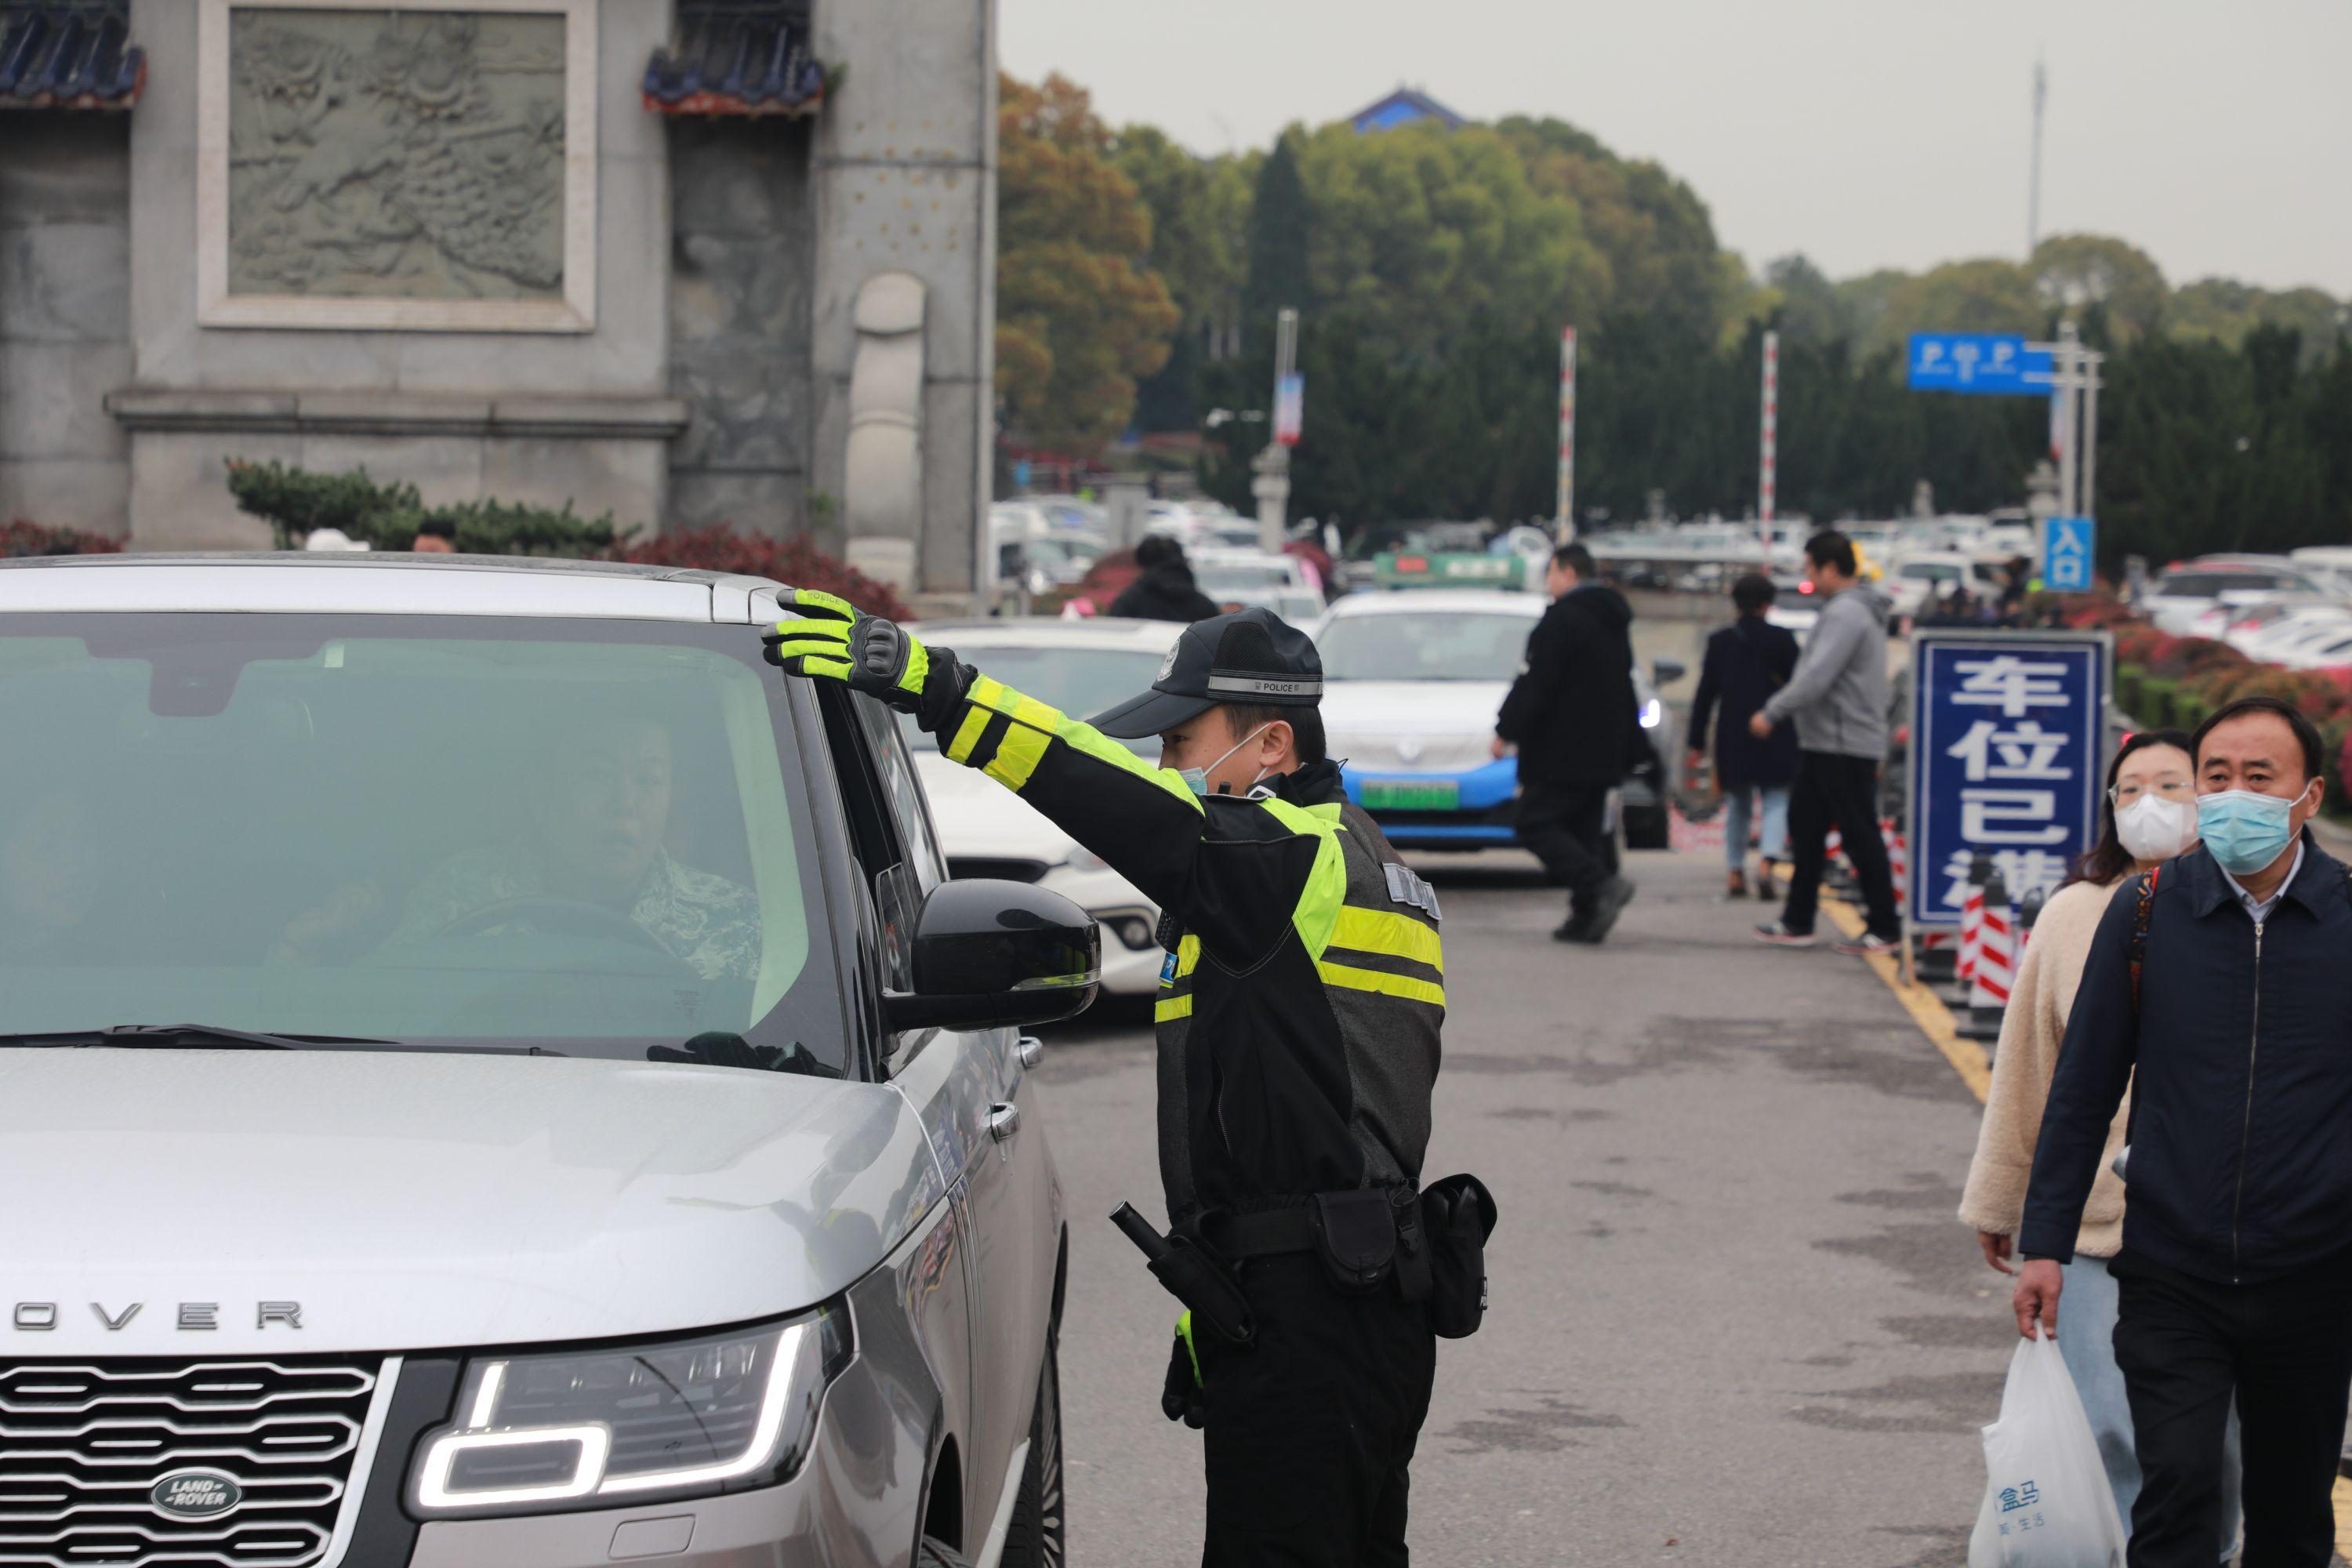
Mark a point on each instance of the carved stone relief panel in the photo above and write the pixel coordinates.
(424, 163)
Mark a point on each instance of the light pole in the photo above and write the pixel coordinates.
(1272, 486)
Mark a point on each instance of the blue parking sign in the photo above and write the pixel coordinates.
(2067, 546)
(1987, 363)
(2008, 733)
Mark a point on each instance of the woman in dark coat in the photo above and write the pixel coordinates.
(1747, 662)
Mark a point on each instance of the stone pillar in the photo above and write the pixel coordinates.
(65, 279)
(905, 176)
(539, 415)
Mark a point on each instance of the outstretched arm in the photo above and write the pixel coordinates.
(1143, 821)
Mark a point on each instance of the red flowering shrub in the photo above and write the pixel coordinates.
(22, 538)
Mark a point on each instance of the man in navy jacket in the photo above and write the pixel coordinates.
(2224, 997)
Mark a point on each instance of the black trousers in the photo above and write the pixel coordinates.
(1566, 827)
(1310, 1432)
(2282, 1349)
(1837, 792)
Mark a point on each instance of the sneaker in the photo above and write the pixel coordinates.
(1869, 945)
(1738, 887)
(1766, 888)
(1775, 934)
(1593, 925)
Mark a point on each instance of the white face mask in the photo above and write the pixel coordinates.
(2155, 828)
(1197, 779)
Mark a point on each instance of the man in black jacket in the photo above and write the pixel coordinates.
(1746, 663)
(1571, 714)
(1164, 590)
(2219, 987)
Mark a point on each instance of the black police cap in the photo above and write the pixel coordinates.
(1252, 657)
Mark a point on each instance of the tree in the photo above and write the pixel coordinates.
(1200, 236)
(1279, 268)
(2225, 310)
(1810, 310)
(2071, 271)
(1987, 296)
(1079, 318)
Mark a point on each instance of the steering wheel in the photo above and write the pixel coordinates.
(564, 917)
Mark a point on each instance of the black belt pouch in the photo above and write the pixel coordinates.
(1458, 1215)
(1355, 1235)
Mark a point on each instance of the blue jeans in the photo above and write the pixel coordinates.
(2086, 1336)
(1737, 805)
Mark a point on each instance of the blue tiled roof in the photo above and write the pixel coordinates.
(68, 54)
(1404, 106)
(737, 57)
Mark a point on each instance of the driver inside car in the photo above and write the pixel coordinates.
(594, 837)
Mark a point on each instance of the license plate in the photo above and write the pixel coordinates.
(1412, 794)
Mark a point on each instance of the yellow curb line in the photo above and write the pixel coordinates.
(1968, 1060)
(1927, 1009)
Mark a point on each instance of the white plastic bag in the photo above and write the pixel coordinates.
(2047, 1503)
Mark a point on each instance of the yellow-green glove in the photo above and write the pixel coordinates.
(830, 639)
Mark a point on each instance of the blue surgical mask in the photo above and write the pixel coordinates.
(1197, 779)
(2245, 830)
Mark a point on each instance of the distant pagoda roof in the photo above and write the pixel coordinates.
(737, 58)
(1405, 106)
(68, 54)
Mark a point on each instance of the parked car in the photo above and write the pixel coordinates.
(2190, 588)
(1919, 578)
(1412, 683)
(1244, 578)
(1080, 667)
(489, 1073)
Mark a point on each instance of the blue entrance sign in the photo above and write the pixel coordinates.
(1996, 363)
(2007, 760)
(2067, 544)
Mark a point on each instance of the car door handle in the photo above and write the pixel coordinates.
(1033, 1050)
(1003, 1121)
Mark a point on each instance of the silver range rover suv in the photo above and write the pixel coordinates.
(490, 1074)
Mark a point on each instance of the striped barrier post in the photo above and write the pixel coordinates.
(1996, 964)
(2029, 911)
(1971, 926)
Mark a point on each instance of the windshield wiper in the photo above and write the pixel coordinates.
(172, 1036)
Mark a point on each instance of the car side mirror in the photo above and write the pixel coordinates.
(990, 954)
(1668, 670)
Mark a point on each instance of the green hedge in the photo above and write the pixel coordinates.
(2128, 680)
(2155, 709)
(295, 502)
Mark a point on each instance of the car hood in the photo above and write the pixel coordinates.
(976, 816)
(1411, 706)
(411, 1200)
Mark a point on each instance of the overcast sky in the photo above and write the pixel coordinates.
(2216, 135)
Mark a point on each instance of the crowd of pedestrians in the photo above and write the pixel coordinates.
(2167, 1143)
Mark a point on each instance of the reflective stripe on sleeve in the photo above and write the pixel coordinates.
(1017, 755)
(968, 733)
(1353, 979)
(1397, 936)
(1170, 1007)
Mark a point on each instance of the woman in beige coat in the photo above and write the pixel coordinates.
(2151, 817)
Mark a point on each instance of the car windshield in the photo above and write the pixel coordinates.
(1932, 572)
(1079, 681)
(577, 838)
(1212, 579)
(1424, 646)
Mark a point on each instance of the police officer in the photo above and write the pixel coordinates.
(1297, 1017)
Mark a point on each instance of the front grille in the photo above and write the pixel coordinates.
(1010, 870)
(86, 1448)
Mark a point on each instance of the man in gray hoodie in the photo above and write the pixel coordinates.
(1838, 699)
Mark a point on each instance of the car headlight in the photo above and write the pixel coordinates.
(591, 1427)
(1653, 712)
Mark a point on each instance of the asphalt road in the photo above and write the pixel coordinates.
(1734, 1319)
